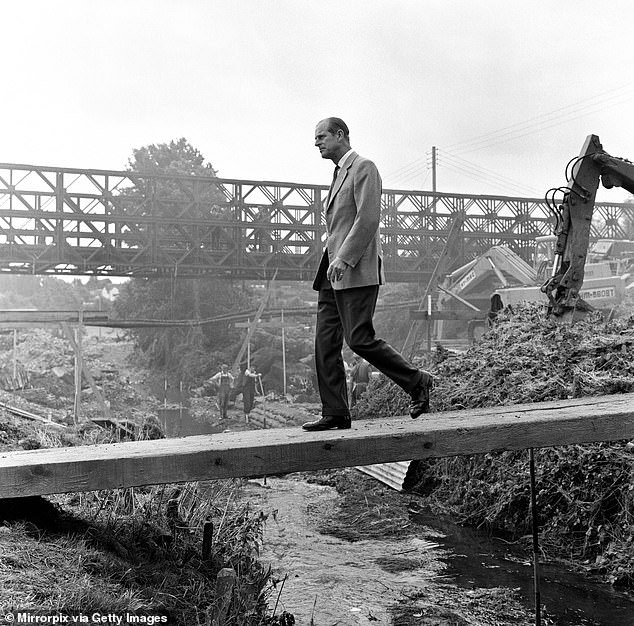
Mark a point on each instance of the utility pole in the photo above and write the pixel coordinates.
(433, 178)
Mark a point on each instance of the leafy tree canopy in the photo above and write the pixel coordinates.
(190, 352)
(178, 157)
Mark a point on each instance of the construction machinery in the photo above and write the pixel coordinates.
(473, 283)
(469, 289)
(567, 273)
(579, 277)
(605, 276)
(566, 289)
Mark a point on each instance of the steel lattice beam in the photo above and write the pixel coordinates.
(74, 221)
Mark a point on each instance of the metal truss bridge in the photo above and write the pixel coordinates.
(113, 223)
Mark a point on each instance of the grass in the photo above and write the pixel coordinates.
(137, 550)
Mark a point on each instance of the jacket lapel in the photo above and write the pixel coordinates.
(343, 172)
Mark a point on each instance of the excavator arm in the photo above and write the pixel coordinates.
(574, 219)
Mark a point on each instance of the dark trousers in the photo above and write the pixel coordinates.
(347, 314)
(248, 397)
(223, 400)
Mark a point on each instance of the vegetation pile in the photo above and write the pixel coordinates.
(585, 494)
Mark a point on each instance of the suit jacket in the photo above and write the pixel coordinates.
(353, 212)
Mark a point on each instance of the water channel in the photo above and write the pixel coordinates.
(333, 581)
(475, 559)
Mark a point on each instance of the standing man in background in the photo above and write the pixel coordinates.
(348, 280)
(248, 391)
(224, 380)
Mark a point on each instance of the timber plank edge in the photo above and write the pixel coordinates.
(287, 450)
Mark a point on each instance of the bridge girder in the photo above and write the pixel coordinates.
(114, 223)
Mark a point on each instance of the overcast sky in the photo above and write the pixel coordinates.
(506, 90)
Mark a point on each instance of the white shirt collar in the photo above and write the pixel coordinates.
(344, 158)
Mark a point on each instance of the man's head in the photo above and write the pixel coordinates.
(332, 137)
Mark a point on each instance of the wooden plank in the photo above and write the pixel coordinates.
(9, 317)
(256, 453)
(447, 315)
(31, 416)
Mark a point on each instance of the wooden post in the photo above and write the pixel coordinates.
(78, 366)
(283, 353)
(249, 346)
(446, 258)
(535, 524)
(251, 329)
(208, 538)
(180, 404)
(225, 581)
(429, 323)
(80, 371)
(15, 355)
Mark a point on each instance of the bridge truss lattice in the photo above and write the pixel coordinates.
(98, 222)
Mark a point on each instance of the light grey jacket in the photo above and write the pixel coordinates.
(353, 212)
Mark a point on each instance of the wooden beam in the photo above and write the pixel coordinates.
(275, 451)
(11, 318)
(447, 315)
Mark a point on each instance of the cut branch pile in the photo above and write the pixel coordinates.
(528, 358)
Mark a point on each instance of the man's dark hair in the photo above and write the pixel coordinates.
(335, 124)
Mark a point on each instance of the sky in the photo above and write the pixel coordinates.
(506, 91)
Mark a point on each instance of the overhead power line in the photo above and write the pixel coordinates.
(547, 120)
(518, 130)
(482, 174)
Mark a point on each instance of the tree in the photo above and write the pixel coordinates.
(190, 351)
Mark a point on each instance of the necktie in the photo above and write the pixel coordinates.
(332, 184)
(334, 176)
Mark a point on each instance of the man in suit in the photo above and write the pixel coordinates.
(348, 280)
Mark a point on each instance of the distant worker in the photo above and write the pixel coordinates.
(360, 375)
(224, 380)
(248, 391)
(495, 307)
(348, 279)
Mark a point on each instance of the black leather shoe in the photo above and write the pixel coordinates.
(329, 421)
(419, 403)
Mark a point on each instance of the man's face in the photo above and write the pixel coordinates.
(327, 143)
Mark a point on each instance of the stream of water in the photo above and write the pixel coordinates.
(333, 581)
(475, 559)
